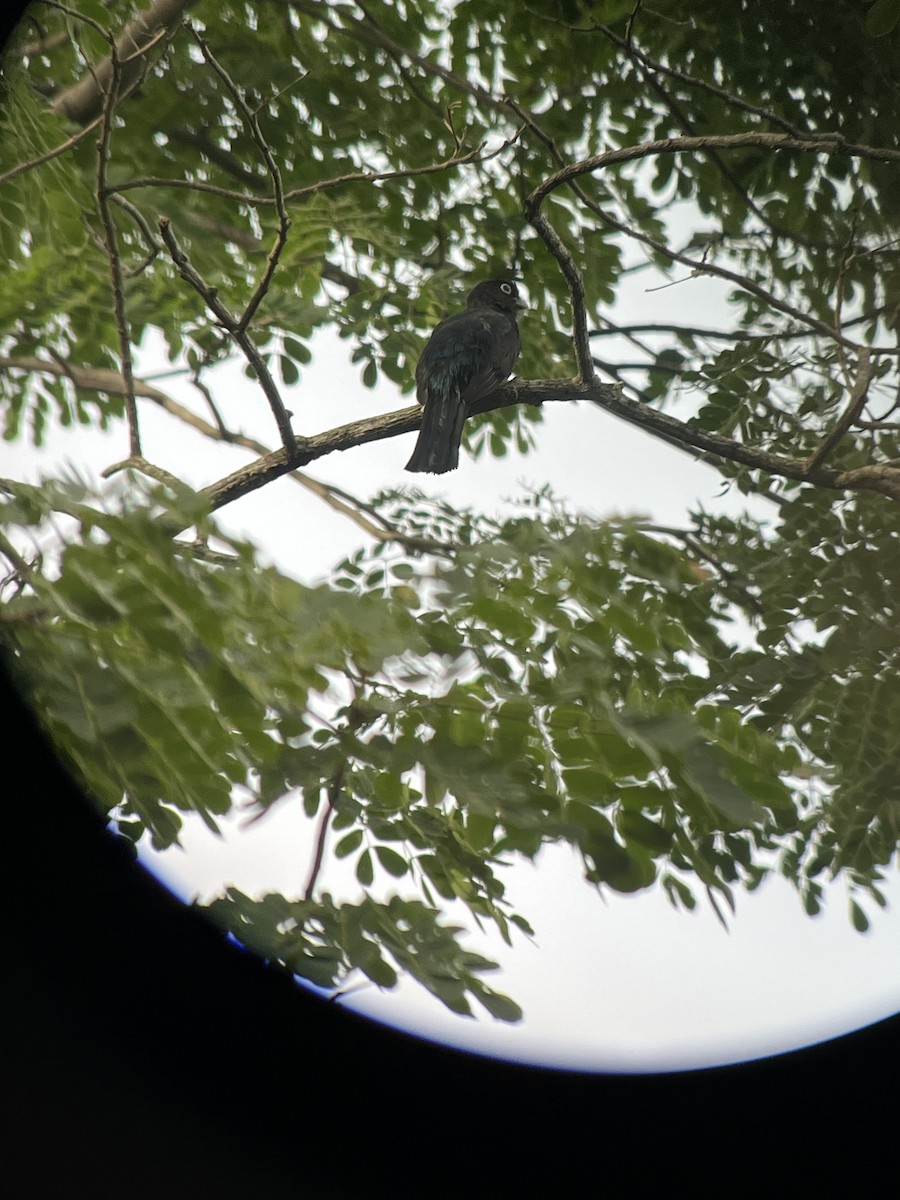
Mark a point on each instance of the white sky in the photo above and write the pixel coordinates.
(616, 983)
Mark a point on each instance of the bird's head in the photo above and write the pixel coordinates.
(500, 294)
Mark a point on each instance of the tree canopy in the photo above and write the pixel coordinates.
(691, 707)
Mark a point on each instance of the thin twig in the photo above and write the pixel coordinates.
(139, 463)
(851, 412)
(457, 160)
(284, 222)
(112, 252)
(334, 791)
(232, 325)
(720, 141)
(738, 335)
(154, 246)
(69, 144)
(575, 280)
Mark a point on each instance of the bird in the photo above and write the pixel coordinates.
(468, 356)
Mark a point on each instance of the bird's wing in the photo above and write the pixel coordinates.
(473, 352)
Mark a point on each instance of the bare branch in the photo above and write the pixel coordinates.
(877, 477)
(100, 379)
(456, 160)
(139, 463)
(233, 326)
(575, 280)
(850, 414)
(111, 246)
(284, 223)
(153, 244)
(724, 141)
(96, 379)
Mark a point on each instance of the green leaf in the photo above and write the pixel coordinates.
(392, 862)
(500, 1006)
(634, 826)
(348, 843)
(859, 918)
(882, 17)
(705, 770)
(365, 872)
(298, 351)
(289, 373)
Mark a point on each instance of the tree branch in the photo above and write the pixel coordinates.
(877, 477)
(112, 250)
(139, 463)
(311, 189)
(237, 331)
(71, 142)
(284, 223)
(832, 144)
(702, 267)
(575, 280)
(100, 379)
(733, 335)
(850, 414)
(83, 101)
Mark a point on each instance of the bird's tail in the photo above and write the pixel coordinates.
(437, 449)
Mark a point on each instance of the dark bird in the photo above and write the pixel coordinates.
(469, 355)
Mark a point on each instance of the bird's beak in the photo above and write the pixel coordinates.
(520, 304)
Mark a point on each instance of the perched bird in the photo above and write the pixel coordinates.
(469, 355)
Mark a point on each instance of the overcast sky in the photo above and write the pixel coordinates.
(615, 983)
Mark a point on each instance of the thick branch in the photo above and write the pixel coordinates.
(877, 477)
(83, 101)
(101, 379)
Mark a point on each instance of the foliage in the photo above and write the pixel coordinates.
(674, 704)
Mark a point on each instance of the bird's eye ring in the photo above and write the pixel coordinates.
(505, 287)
